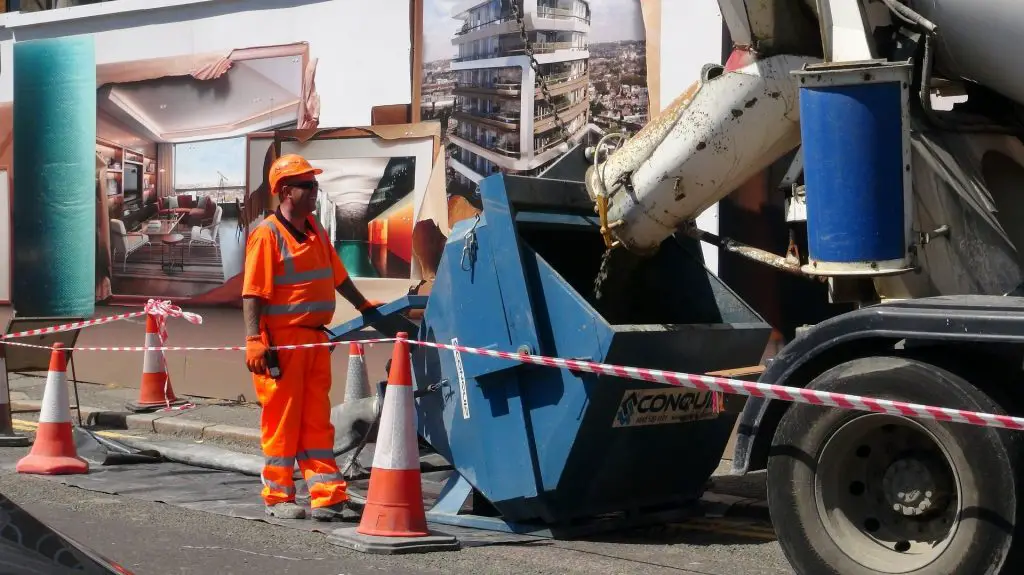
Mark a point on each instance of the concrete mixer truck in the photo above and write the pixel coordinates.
(900, 121)
(908, 181)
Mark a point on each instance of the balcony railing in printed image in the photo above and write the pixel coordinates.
(560, 14)
(538, 48)
(545, 112)
(566, 114)
(506, 148)
(466, 28)
(502, 146)
(553, 80)
(478, 56)
(504, 117)
(542, 12)
(546, 47)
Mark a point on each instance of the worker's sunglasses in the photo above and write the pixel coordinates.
(310, 185)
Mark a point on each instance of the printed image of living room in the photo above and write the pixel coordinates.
(171, 159)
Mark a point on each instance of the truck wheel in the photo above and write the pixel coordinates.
(856, 493)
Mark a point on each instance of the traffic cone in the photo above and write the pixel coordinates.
(393, 518)
(155, 391)
(357, 381)
(354, 410)
(54, 452)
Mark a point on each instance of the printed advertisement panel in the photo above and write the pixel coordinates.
(171, 149)
(169, 103)
(664, 406)
(521, 85)
(380, 203)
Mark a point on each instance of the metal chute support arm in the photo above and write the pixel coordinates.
(711, 139)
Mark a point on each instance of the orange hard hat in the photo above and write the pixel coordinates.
(289, 166)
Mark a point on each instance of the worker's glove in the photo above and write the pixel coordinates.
(256, 354)
(371, 304)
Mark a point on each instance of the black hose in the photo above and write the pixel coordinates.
(926, 101)
(365, 439)
(908, 15)
(930, 30)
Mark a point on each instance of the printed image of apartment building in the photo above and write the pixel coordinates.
(501, 120)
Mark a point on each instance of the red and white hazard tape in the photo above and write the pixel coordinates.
(158, 308)
(160, 311)
(739, 387)
(678, 379)
(142, 348)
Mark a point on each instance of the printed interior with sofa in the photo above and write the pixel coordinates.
(171, 163)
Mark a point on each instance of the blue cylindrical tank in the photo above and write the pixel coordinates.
(854, 126)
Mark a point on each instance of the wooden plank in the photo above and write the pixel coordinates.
(738, 372)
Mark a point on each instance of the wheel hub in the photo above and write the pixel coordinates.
(913, 487)
(886, 493)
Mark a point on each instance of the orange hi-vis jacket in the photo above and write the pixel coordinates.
(297, 279)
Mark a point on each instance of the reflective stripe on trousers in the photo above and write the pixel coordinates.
(295, 422)
(315, 457)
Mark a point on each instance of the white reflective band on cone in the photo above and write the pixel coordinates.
(151, 362)
(396, 444)
(56, 407)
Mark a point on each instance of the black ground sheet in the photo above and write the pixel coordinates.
(154, 472)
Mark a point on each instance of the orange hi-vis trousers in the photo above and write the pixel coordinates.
(296, 421)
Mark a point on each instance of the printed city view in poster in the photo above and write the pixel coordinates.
(514, 106)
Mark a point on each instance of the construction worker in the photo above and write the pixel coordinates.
(291, 275)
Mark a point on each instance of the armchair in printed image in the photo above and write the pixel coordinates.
(208, 235)
(124, 242)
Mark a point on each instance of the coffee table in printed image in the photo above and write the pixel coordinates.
(162, 225)
(170, 242)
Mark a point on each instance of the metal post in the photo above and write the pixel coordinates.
(8, 438)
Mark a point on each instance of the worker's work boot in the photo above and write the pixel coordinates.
(329, 513)
(286, 510)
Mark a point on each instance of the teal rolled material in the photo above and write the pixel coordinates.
(54, 196)
(356, 257)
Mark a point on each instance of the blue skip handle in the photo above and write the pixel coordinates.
(386, 319)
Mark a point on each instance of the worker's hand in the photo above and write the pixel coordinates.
(371, 304)
(256, 355)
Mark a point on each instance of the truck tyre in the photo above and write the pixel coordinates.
(857, 493)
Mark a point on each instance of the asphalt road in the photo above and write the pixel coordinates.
(158, 539)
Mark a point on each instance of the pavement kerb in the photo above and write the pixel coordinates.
(167, 423)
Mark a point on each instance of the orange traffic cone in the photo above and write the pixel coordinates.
(393, 519)
(54, 452)
(155, 391)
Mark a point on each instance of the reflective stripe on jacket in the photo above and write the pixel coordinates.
(304, 290)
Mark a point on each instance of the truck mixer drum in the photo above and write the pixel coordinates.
(544, 448)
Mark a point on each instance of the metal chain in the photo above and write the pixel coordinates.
(469, 247)
(528, 48)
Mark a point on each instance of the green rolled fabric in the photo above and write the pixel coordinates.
(54, 235)
(356, 257)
